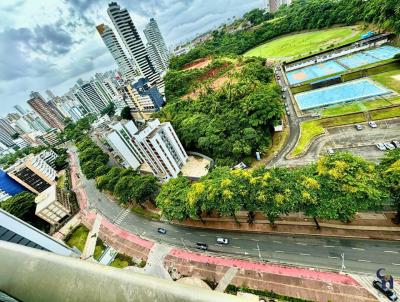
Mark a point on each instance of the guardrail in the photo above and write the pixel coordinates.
(33, 275)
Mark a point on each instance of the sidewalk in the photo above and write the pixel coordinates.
(310, 284)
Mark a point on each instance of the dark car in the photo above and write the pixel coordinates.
(391, 295)
(396, 144)
(202, 246)
(162, 231)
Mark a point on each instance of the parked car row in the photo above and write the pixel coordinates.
(388, 145)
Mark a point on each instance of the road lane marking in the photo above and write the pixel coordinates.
(333, 257)
(301, 243)
(396, 264)
(176, 231)
(255, 249)
(235, 238)
(236, 247)
(304, 254)
(277, 241)
(203, 235)
(362, 260)
(188, 233)
(173, 238)
(393, 252)
(357, 248)
(328, 246)
(279, 251)
(255, 240)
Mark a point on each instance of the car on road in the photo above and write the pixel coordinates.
(202, 246)
(391, 295)
(330, 151)
(372, 124)
(162, 231)
(222, 240)
(358, 127)
(389, 146)
(396, 144)
(381, 147)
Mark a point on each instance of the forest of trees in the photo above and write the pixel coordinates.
(301, 15)
(228, 124)
(334, 188)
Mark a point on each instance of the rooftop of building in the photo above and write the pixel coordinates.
(47, 197)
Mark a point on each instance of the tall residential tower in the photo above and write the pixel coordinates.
(46, 111)
(131, 38)
(156, 47)
(125, 65)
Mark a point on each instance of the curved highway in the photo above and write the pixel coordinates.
(321, 252)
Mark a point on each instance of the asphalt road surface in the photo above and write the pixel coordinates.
(321, 252)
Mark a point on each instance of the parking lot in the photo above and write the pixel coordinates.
(360, 142)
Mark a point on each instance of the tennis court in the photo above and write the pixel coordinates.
(369, 56)
(345, 92)
(313, 72)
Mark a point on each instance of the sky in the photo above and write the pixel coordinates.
(49, 44)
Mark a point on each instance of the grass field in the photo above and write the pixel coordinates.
(78, 238)
(390, 79)
(306, 43)
(354, 107)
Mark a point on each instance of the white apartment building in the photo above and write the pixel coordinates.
(156, 144)
(52, 205)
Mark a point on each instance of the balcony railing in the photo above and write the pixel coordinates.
(33, 275)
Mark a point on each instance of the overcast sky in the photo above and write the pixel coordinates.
(49, 44)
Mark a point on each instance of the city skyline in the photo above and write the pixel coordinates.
(60, 43)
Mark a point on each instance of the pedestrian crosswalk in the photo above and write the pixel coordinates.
(121, 216)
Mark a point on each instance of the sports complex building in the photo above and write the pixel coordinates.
(324, 79)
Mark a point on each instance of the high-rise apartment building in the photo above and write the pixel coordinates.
(94, 95)
(157, 145)
(46, 111)
(33, 173)
(142, 97)
(125, 65)
(156, 46)
(131, 38)
(274, 5)
(21, 110)
(6, 132)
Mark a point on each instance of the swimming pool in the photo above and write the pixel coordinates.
(313, 72)
(345, 92)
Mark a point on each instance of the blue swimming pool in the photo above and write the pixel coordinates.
(313, 72)
(345, 92)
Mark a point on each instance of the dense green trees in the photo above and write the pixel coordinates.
(302, 14)
(93, 160)
(334, 189)
(229, 124)
(390, 169)
(23, 206)
(126, 114)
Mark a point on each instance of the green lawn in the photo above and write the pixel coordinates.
(387, 79)
(354, 107)
(100, 248)
(122, 261)
(78, 237)
(306, 43)
(385, 113)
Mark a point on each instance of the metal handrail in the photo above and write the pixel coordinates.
(33, 275)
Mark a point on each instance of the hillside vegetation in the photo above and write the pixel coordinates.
(301, 15)
(229, 123)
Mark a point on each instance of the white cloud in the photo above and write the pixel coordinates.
(49, 44)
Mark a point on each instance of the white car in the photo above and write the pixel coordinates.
(221, 240)
(372, 124)
(389, 146)
(396, 144)
(381, 147)
(330, 151)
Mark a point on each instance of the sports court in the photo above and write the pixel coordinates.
(313, 72)
(369, 56)
(342, 64)
(345, 92)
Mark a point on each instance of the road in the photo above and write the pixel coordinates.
(322, 252)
